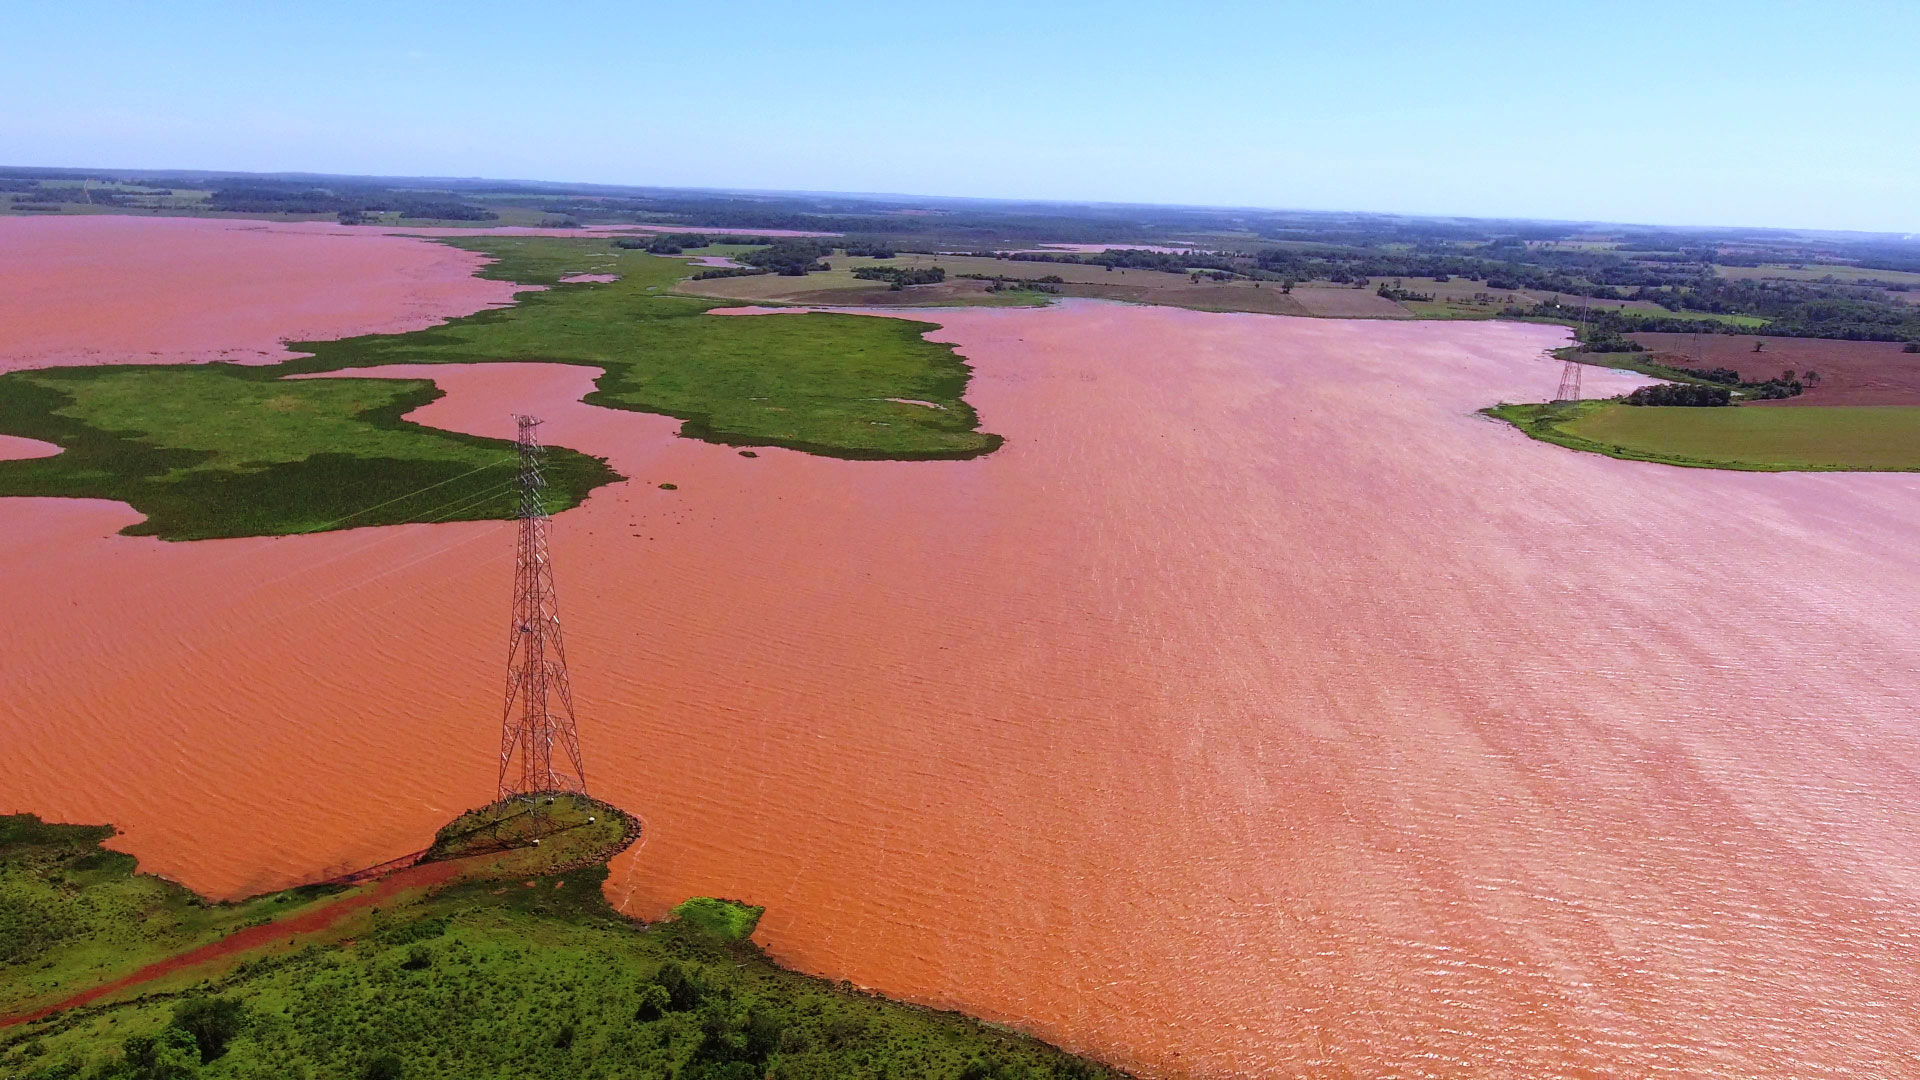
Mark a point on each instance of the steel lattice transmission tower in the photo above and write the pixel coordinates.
(539, 746)
(1569, 382)
(1570, 372)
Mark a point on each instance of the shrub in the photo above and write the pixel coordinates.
(171, 1055)
(683, 991)
(212, 1021)
(654, 1003)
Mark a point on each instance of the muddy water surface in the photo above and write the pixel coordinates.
(121, 290)
(1259, 710)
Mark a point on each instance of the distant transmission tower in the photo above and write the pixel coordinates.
(1570, 373)
(539, 709)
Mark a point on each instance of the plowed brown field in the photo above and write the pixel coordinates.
(1259, 710)
(1851, 372)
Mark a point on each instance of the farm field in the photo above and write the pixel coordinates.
(838, 287)
(1847, 437)
(1818, 272)
(1345, 302)
(1851, 372)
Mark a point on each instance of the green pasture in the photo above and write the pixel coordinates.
(1873, 438)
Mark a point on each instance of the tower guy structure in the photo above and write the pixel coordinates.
(539, 746)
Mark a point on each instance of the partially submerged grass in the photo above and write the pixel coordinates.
(526, 978)
(815, 382)
(222, 450)
(1873, 438)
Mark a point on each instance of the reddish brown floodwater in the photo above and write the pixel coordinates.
(1258, 710)
(120, 290)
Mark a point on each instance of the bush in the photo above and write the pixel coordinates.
(213, 1022)
(384, 1066)
(171, 1055)
(654, 1003)
(683, 991)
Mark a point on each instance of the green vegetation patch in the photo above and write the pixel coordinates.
(220, 450)
(527, 979)
(1876, 438)
(535, 834)
(74, 914)
(728, 920)
(817, 382)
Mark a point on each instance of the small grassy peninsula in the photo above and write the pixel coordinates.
(496, 959)
(1878, 438)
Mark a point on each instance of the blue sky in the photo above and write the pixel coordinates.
(1753, 113)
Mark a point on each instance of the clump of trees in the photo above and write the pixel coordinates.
(872, 249)
(1394, 291)
(791, 257)
(1690, 394)
(1722, 375)
(898, 277)
(663, 244)
(1785, 386)
(199, 1032)
(999, 283)
(1609, 341)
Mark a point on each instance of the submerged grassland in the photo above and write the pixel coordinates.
(492, 976)
(222, 450)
